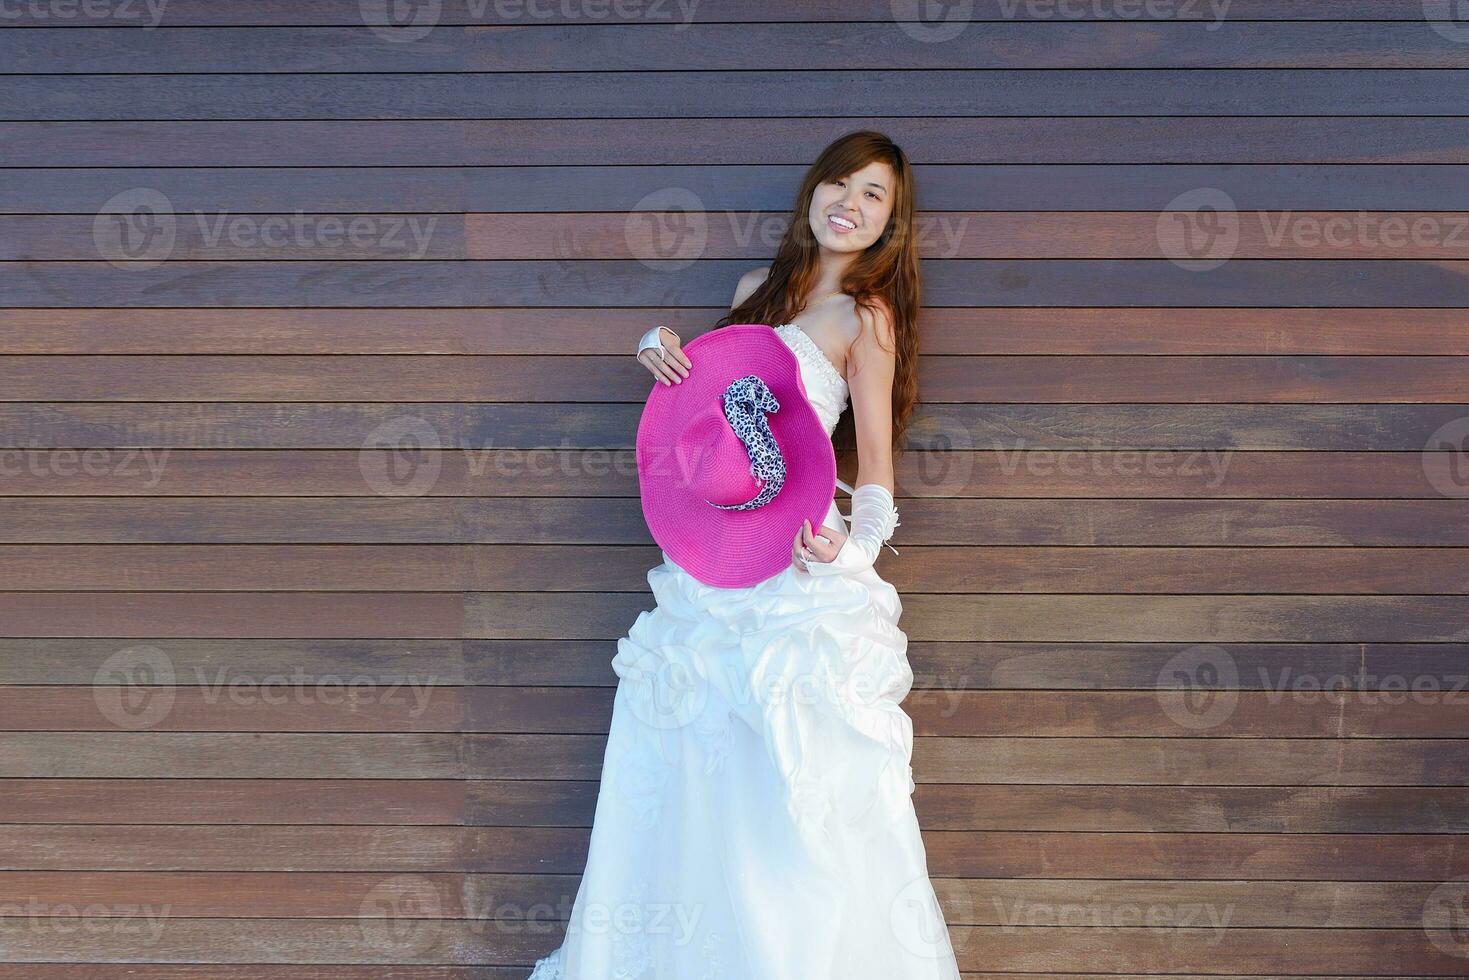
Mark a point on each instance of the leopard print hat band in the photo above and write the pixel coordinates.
(746, 401)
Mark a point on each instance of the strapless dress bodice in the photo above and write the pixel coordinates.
(825, 386)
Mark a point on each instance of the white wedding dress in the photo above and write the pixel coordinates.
(755, 818)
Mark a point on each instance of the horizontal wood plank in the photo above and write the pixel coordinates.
(756, 92)
(1023, 949)
(1113, 379)
(696, 44)
(244, 847)
(590, 615)
(1390, 161)
(1116, 523)
(1379, 178)
(306, 13)
(525, 803)
(943, 330)
(135, 693)
(1389, 669)
(401, 971)
(489, 897)
(608, 427)
(365, 236)
(496, 472)
(141, 283)
(957, 569)
(1042, 757)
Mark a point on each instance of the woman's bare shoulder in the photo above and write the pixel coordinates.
(748, 283)
(876, 321)
(868, 328)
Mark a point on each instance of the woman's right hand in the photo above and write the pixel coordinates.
(673, 366)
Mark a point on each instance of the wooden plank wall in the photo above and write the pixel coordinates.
(319, 522)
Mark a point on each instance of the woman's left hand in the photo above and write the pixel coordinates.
(821, 545)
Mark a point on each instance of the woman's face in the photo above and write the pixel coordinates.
(849, 213)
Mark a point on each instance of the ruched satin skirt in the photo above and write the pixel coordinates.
(755, 816)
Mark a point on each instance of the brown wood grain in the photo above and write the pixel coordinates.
(470, 176)
(483, 46)
(277, 971)
(1038, 760)
(955, 569)
(1262, 233)
(1187, 702)
(1120, 378)
(1182, 549)
(227, 971)
(607, 472)
(936, 520)
(324, 847)
(611, 330)
(645, 282)
(1277, 147)
(1125, 949)
(589, 615)
(571, 803)
(611, 472)
(901, 91)
(292, 13)
(962, 427)
(398, 971)
(484, 897)
(1391, 668)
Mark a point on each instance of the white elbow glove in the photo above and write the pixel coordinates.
(654, 339)
(874, 516)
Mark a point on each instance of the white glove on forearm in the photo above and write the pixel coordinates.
(874, 516)
(654, 338)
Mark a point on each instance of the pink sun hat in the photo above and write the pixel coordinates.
(731, 461)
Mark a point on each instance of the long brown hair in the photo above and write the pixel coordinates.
(888, 268)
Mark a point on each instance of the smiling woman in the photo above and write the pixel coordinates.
(759, 763)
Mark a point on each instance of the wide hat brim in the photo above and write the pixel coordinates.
(734, 548)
